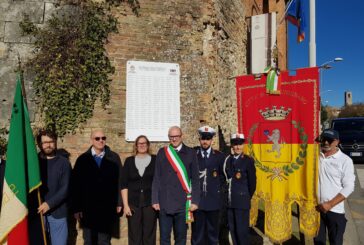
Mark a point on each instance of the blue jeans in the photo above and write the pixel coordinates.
(178, 222)
(58, 230)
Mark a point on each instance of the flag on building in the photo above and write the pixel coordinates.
(296, 16)
(21, 174)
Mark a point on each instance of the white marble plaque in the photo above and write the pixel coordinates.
(152, 99)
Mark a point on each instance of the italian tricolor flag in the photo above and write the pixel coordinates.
(21, 174)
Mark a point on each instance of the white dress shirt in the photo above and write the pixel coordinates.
(336, 175)
(208, 152)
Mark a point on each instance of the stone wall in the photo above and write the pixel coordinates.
(208, 38)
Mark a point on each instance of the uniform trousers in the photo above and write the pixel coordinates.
(238, 220)
(335, 224)
(206, 224)
(142, 226)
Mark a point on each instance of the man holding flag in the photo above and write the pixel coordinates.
(55, 174)
(175, 188)
(21, 175)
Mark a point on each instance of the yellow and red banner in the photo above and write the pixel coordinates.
(281, 131)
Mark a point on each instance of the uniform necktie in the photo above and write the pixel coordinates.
(204, 154)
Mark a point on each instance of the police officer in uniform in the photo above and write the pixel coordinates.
(205, 229)
(239, 171)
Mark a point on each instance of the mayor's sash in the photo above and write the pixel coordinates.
(180, 169)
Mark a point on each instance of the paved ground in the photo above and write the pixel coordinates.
(354, 234)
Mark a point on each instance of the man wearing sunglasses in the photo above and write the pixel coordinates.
(96, 190)
(212, 180)
(336, 183)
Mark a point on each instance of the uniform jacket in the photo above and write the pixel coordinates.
(167, 190)
(136, 184)
(212, 199)
(96, 190)
(243, 180)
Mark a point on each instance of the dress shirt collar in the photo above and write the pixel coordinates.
(179, 148)
(208, 151)
(93, 152)
(335, 155)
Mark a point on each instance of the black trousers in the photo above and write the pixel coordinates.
(93, 237)
(239, 225)
(335, 224)
(206, 224)
(142, 226)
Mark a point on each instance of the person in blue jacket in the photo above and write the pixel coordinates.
(205, 229)
(239, 171)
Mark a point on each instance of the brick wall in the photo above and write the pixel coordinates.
(208, 38)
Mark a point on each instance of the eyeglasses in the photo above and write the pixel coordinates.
(100, 138)
(171, 137)
(323, 140)
(47, 142)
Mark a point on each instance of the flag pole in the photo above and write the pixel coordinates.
(20, 74)
(41, 219)
(312, 46)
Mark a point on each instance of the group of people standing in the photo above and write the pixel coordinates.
(179, 185)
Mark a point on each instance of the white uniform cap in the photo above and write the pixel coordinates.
(206, 130)
(237, 136)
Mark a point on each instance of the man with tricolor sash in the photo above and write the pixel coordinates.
(175, 189)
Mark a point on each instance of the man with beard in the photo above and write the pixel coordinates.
(55, 174)
(336, 183)
(212, 180)
(96, 191)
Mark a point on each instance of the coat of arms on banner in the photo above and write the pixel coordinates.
(281, 130)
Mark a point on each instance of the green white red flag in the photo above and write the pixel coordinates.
(21, 174)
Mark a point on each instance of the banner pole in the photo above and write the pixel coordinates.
(41, 220)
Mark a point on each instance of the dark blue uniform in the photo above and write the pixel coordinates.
(240, 173)
(212, 180)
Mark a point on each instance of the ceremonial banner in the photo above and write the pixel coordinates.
(22, 177)
(280, 130)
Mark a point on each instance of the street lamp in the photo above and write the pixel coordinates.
(326, 66)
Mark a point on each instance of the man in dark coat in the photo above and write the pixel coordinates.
(205, 229)
(176, 166)
(95, 186)
(239, 170)
(55, 174)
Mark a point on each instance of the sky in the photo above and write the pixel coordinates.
(339, 33)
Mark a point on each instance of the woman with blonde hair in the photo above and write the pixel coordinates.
(136, 189)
